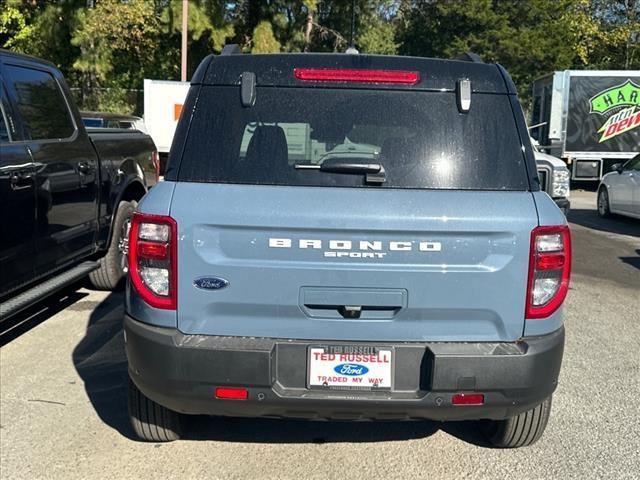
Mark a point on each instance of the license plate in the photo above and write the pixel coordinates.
(350, 367)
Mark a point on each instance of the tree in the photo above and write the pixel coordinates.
(529, 38)
(112, 47)
(116, 42)
(42, 29)
(209, 28)
(617, 33)
(374, 26)
(263, 40)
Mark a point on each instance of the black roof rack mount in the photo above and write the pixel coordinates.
(231, 49)
(470, 57)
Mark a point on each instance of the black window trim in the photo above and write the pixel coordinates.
(18, 116)
(9, 118)
(5, 119)
(626, 167)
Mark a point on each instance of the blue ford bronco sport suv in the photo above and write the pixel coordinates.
(350, 237)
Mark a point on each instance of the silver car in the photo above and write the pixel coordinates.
(619, 190)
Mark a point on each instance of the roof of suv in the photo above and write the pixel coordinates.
(277, 70)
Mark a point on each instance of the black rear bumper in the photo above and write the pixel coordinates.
(181, 372)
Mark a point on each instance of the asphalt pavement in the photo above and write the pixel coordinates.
(63, 400)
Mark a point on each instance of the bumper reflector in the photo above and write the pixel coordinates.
(232, 393)
(468, 399)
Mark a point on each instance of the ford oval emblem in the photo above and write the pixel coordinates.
(210, 283)
(351, 369)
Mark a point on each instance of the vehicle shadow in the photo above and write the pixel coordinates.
(101, 362)
(633, 261)
(282, 431)
(616, 224)
(23, 322)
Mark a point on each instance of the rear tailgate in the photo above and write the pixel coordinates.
(438, 251)
(437, 265)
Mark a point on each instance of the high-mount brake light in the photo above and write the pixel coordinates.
(398, 77)
(549, 270)
(153, 259)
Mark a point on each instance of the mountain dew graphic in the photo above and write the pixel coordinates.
(621, 105)
(625, 95)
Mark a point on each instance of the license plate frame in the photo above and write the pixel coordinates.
(381, 352)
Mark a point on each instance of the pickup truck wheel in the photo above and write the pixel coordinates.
(113, 266)
(520, 431)
(603, 203)
(150, 421)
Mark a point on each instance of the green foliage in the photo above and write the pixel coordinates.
(108, 50)
(616, 36)
(204, 23)
(263, 39)
(13, 27)
(528, 38)
(41, 29)
(113, 100)
(378, 37)
(113, 34)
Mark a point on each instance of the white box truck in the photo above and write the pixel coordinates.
(163, 102)
(590, 119)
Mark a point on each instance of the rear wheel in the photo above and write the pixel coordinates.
(603, 203)
(520, 431)
(114, 266)
(150, 421)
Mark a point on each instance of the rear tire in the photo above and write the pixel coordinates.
(520, 431)
(113, 265)
(150, 421)
(604, 209)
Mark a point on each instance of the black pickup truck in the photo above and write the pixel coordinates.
(67, 193)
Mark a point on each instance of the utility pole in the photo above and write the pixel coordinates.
(185, 28)
(352, 48)
(353, 23)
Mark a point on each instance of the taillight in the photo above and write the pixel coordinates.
(549, 270)
(155, 159)
(153, 259)
(356, 75)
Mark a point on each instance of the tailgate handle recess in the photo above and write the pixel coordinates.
(350, 311)
(355, 311)
(352, 303)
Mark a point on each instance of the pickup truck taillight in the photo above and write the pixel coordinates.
(549, 270)
(153, 259)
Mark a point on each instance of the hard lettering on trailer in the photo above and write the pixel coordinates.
(603, 114)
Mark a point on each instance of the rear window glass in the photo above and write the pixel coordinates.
(420, 139)
(42, 106)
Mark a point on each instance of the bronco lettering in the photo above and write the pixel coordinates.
(346, 247)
